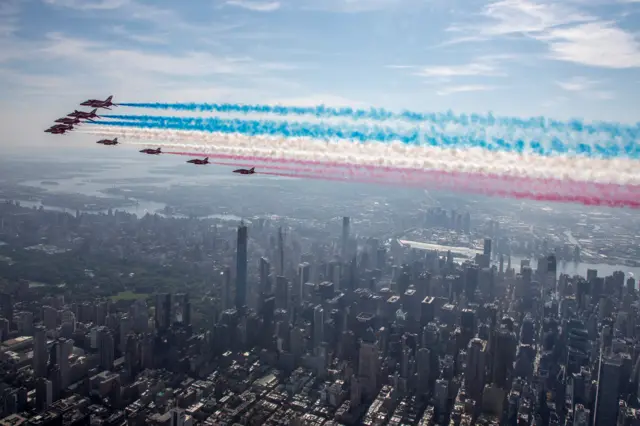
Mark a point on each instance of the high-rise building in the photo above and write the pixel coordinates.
(265, 271)
(226, 288)
(304, 275)
(282, 292)
(280, 270)
(106, 348)
(487, 247)
(503, 357)
(368, 366)
(345, 237)
(40, 352)
(241, 268)
(6, 307)
(474, 376)
(163, 311)
(318, 326)
(606, 410)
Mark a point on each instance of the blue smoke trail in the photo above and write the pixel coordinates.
(379, 114)
(365, 133)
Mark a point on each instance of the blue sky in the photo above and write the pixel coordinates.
(569, 58)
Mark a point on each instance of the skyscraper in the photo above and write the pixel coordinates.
(241, 268)
(106, 348)
(487, 247)
(40, 352)
(607, 396)
(474, 375)
(163, 311)
(318, 326)
(345, 236)
(265, 270)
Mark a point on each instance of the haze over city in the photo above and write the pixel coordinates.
(204, 222)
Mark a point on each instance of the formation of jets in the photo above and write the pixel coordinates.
(66, 124)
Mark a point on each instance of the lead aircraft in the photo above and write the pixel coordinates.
(96, 103)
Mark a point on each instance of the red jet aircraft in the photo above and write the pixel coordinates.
(151, 151)
(199, 162)
(68, 120)
(57, 131)
(113, 141)
(58, 127)
(245, 171)
(96, 103)
(84, 115)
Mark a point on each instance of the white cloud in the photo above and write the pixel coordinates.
(351, 6)
(525, 16)
(89, 4)
(188, 64)
(486, 65)
(464, 88)
(570, 34)
(457, 70)
(585, 87)
(577, 84)
(598, 44)
(139, 38)
(256, 6)
(9, 12)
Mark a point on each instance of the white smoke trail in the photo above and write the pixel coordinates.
(476, 161)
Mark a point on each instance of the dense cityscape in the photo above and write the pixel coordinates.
(110, 319)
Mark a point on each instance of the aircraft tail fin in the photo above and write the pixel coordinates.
(115, 140)
(206, 160)
(109, 98)
(252, 169)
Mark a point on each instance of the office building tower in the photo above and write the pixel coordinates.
(318, 326)
(265, 271)
(474, 376)
(106, 348)
(368, 365)
(40, 352)
(345, 237)
(280, 270)
(163, 311)
(487, 247)
(6, 307)
(304, 275)
(225, 297)
(503, 357)
(606, 409)
(241, 268)
(282, 292)
(44, 393)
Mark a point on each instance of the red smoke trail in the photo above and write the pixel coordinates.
(583, 192)
(521, 195)
(625, 191)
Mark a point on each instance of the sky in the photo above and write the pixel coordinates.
(562, 58)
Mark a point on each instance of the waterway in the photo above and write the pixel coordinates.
(570, 268)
